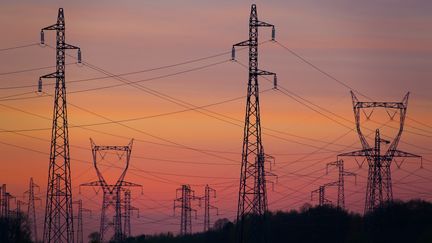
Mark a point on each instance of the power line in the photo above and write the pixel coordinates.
(18, 47)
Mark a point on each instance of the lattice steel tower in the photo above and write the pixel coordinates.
(341, 181)
(252, 198)
(127, 212)
(379, 185)
(208, 193)
(80, 225)
(187, 195)
(59, 154)
(31, 210)
(112, 193)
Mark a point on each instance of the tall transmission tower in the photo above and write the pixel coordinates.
(252, 198)
(112, 193)
(341, 181)
(128, 209)
(185, 204)
(59, 164)
(379, 185)
(208, 192)
(80, 227)
(31, 210)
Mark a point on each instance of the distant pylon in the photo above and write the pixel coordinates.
(3, 200)
(58, 226)
(18, 211)
(112, 194)
(128, 209)
(379, 185)
(80, 225)
(207, 206)
(31, 210)
(322, 199)
(252, 198)
(341, 181)
(187, 195)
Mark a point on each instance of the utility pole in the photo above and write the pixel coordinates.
(379, 185)
(59, 164)
(112, 200)
(252, 198)
(187, 195)
(80, 227)
(341, 181)
(207, 206)
(128, 208)
(31, 210)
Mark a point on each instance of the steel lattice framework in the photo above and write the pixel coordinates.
(80, 225)
(59, 200)
(187, 195)
(208, 192)
(341, 181)
(112, 194)
(322, 200)
(31, 210)
(252, 198)
(379, 184)
(127, 212)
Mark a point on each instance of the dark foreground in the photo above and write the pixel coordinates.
(408, 222)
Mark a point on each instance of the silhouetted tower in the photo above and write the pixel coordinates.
(187, 195)
(112, 198)
(341, 181)
(3, 200)
(80, 227)
(207, 206)
(128, 209)
(322, 200)
(31, 210)
(18, 210)
(379, 185)
(9, 212)
(59, 164)
(252, 197)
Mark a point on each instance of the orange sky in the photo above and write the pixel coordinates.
(381, 49)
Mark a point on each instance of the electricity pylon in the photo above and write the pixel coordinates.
(322, 200)
(379, 185)
(252, 198)
(80, 225)
(31, 210)
(187, 196)
(128, 209)
(3, 201)
(59, 164)
(207, 206)
(18, 209)
(341, 181)
(112, 199)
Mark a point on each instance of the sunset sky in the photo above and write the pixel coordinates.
(382, 49)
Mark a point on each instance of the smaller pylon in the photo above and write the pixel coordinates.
(18, 210)
(2, 200)
(80, 227)
(341, 181)
(322, 200)
(128, 209)
(31, 210)
(187, 195)
(207, 206)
